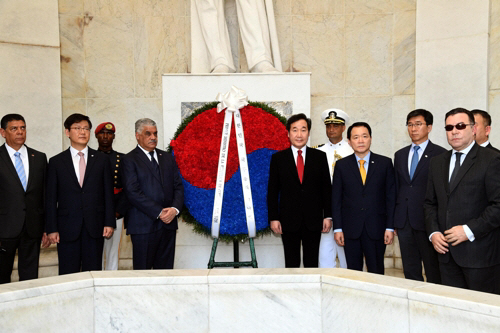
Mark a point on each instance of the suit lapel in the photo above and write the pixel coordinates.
(68, 160)
(445, 174)
(404, 164)
(31, 159)
(161, 164)
(90, 164)
(355, 168)
(424, 160)
(371, 167)
(4, 155)
(469, 161)
(142, 156)
(293, 168)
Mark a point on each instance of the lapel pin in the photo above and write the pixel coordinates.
(373, 162)
(91, 155)
(426, 156)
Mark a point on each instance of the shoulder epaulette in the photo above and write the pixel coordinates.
(321, 145)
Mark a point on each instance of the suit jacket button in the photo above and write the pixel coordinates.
(406, 199)
(411, 185)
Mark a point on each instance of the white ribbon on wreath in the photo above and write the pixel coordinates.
(232, 102)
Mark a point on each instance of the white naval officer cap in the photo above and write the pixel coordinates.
(334, 116)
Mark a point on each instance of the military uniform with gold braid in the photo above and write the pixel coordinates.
(328, 249)
(111, 245)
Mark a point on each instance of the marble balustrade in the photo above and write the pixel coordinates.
(244, 300)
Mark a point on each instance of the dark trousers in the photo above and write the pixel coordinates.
(82, 254)
(310, 247)
(480, 279)
(154, 250)
(28, 254)
(372, 249)
(415, 248)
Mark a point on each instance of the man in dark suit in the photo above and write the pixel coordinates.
(298, 195)
(363, 199)
(79, 200)
(462, 208)
(22, 190)
(411, 165)
(483, 128)
(154, 189)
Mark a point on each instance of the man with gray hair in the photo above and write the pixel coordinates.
(154, 189)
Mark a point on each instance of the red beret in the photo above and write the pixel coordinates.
(109, 126)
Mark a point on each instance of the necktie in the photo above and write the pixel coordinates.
(300, 166)
(414, 161)
(457, 167)
(362, 171)
(156, 167)
(82, 167)
(20, 169)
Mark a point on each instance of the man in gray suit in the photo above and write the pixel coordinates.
(22, 186)
(462, 208)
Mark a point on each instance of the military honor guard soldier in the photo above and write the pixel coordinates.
(105, 134)
(336, 148)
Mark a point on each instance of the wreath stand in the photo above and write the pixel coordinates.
(236, 263)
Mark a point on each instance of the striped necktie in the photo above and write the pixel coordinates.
(20, 169)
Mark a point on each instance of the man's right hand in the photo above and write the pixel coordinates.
(439, 243)
(54, 237)
(339, 238)
(276, 227)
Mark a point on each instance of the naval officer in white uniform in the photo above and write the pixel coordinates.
(335, 148)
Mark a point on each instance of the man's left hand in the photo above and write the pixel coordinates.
(388, 237)
(45, 241)
(327, 225)
(455, 235)
(168, 215)
(108, 232)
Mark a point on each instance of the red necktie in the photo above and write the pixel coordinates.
(300, 166)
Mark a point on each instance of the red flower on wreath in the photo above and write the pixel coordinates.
(199, 157)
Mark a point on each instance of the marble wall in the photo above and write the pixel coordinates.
(108, 57)
(30, 78)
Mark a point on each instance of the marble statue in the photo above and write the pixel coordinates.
(211, 50)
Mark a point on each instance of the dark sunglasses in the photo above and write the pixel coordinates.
(459, 126)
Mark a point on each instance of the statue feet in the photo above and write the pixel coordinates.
(264, 67)
(221, 69)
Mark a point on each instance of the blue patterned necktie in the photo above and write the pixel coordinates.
(414, 161)
(20, 169)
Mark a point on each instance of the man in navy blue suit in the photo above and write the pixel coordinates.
(363, 199)
(154, 189)
(411, 165)
(79, 200)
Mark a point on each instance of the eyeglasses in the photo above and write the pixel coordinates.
(459, 126)
(416, 125)
(79, 129)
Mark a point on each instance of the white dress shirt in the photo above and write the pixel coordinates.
(76, 159)
(149, 155)
(295, 152)
(420, 152)
(468, 232)
(24, 157)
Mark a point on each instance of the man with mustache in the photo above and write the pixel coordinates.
(105, 134)
(154, 189)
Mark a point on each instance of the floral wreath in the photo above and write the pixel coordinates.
(196, 146)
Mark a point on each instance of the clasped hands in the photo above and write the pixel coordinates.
(455, 236)
(167, 215)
